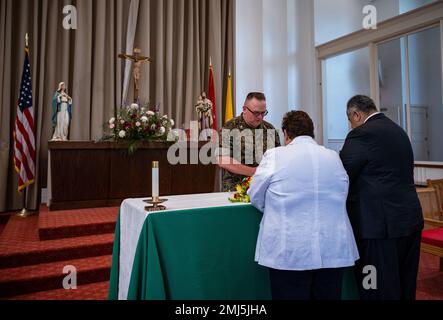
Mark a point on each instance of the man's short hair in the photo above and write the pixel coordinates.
(298, 123)
(257, 95)
(361, 103)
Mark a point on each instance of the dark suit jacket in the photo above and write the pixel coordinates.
(382, 201)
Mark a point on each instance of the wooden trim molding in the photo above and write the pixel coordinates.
(430, 165)
(93, 145)
(437, 251)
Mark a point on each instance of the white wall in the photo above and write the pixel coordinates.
(275, 54)
(337, 18)
(386, 9)
(303, 62)
(248, 49)
(275, 59)
(408, 5)
(343, 76)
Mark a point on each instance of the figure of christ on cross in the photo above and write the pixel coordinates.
(137, 59)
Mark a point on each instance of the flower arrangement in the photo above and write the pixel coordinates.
(136, 124)
(241, 194)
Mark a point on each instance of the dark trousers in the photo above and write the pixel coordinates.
(396, 263)
(322, 284)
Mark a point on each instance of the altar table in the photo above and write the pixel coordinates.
(201, 248)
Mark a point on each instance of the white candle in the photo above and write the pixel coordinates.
(155, 189)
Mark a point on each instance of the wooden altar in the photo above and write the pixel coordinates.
(101, 174)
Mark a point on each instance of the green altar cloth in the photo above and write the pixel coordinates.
(200, 254)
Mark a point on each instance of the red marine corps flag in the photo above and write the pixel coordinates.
(24, 139)
(211, 95)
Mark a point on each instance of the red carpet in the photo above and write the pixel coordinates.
(65, 224)
(430, 279)
(95, 291)
(33, 252)
(20, 245)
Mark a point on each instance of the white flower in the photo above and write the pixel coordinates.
(122, 121)
(138, 124)
(162, 130)
(165, 117)
(122, 134)
(111, 126)
(143, 109)
(153, 127)
(144, 119)
(134, 106)
(150, 113)
(172, 122)
(172, 135)
(112, 120)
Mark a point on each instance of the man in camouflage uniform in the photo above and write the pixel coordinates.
(244, 140)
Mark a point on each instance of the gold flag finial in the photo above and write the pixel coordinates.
(27, 39)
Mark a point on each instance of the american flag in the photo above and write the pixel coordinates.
(24, 139)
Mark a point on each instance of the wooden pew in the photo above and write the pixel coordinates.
(432, 237)
(438, 185)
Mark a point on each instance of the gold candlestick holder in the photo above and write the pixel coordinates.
(155, 204)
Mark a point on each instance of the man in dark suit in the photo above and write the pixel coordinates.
(382, 204)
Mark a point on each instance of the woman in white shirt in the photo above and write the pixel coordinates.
(305, 235)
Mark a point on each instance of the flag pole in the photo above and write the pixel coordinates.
(24, 212)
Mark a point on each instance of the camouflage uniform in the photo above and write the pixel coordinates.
(230, 180)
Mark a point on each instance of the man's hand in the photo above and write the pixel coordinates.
(235, 167)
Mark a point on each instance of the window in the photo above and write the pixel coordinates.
(343, 77)
(410, 89)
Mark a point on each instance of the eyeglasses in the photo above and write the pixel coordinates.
(257, 114)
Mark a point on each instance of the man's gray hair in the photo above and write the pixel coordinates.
(361, 103)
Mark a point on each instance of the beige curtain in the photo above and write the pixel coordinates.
(180, 35)
(85, 58)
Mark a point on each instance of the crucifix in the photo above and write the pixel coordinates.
(137, 59)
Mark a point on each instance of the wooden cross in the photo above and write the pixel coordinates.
(137, 59)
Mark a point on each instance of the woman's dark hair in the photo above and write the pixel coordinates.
(298, 123)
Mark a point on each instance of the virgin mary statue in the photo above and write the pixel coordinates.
(61, 113)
